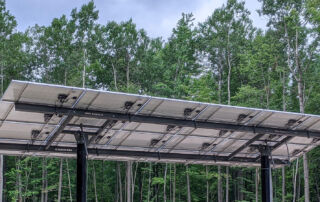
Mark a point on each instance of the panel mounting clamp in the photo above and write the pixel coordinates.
(82, 138)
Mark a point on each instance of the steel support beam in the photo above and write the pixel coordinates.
(53, 136)
(163, 120)
(266, 177)
(255, 138)
(100, 133)
(154, 156)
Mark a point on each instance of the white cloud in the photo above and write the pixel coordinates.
(206, 8)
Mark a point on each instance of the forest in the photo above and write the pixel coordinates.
(224, 59)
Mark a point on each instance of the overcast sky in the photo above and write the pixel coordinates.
(157, 17)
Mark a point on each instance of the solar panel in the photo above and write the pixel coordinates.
(43, 119)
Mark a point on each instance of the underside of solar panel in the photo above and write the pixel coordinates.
(44, 120)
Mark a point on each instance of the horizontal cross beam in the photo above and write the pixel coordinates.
(30, 149)
(163, 120)
(257, 137)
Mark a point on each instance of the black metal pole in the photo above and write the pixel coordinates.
(266, 177)
(81, 172)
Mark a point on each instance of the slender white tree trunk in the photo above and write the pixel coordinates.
(227, 184)
(129, 180)
(283, 184)
(174, 183)
(188, 183)
(170, 187)
(44, 196)
(207, 175)
(149, 181)
(119, 181)
(84, 69)
(134, 180)
(60, 180)
(95, 182)
(306, 178)
(128, 70)
(114, 76)
(19, 182)
(1, 176)
(2, 77)
(69, 180)
(229, 69)
(295, 181)
(165, 183)
(219, 185)
(257, 184)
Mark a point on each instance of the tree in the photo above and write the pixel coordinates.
(224, 37)
(179, 62)
(85, 23)
(287, 17)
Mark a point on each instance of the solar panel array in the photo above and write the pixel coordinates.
(26, 128)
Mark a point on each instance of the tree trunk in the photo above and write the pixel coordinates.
(84, 69)
(188, 183)
(28, 171)
(141, 184)
(220, 80)
(1, 176)
(119, 180)
(2, 77)
(229, 68)
(229, 78)
(299, 186)
(69, 180)
(65, 77)
(116, 188)
(149, 181)
(60, 180)
(128, 71)
(300, 95)
(317, 189)
(134, 180)
(207, 175)
(227, 184)
(18, 179)
(295, 181)
(240, 184)
(94, 182)
(174, 183)
(283, 184)
(306, 178)
(257, 184)
(284, 89)
(298, 76)
(114, 76)
(219, 185)
(102, 186)
(165, 183)
(170, 187)
(129, 180)
(44, 196)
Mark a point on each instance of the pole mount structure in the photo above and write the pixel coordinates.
(266, 176)
(82, 153)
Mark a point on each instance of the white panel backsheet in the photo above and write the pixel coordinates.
(17, 125)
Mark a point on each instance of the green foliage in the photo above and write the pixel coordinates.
(200, 62)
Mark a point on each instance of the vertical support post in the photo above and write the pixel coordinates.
(81, 168)
(266, 181)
